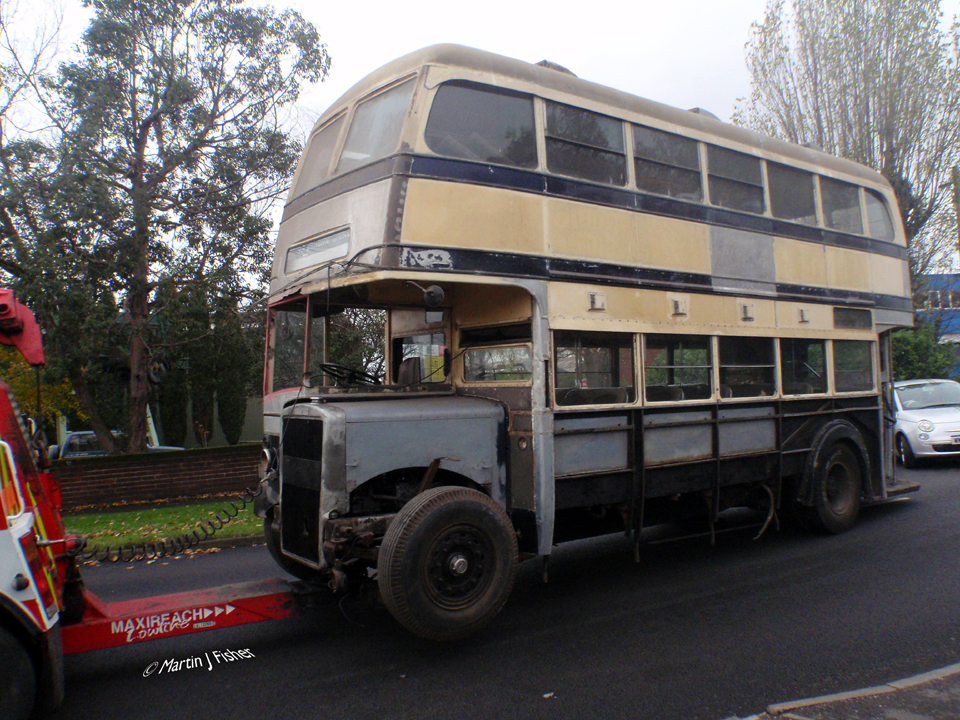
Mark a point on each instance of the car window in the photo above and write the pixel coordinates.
(924, 395)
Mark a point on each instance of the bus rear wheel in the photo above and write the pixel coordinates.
(837, 486)
(447, 563)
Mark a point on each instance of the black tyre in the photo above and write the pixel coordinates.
(271, 534)
(905, 454)
(447, 563)
(18, 679)
(837, 488)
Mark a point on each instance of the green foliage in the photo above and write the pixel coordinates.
(875, 81)
(234, 362)
(145, 208)
(356, 340)
(56, 393)
(174, 399)
(917, 354)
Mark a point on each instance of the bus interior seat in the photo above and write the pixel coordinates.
(592, 396)
(664, 393)
(409, 372)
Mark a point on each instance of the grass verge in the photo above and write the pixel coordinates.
(150, 523)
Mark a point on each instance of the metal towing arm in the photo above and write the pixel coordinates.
(45, 610)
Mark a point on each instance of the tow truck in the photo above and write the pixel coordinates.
(46, 612)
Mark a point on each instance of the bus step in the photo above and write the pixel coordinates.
(902, 488)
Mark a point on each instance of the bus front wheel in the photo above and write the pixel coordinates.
(837, 486)
(447, 562)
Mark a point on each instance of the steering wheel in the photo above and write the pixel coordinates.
(347, 375)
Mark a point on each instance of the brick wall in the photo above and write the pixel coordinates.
(106, 480)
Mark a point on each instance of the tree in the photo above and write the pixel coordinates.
(917, 354)
(875, 81)
(169, 154)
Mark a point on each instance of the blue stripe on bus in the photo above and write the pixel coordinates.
(459, 260)
(567, 188)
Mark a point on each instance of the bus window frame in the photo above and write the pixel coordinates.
(635, 371)
(713, 370)
(462, 374)
(413, 78)
(872, 352)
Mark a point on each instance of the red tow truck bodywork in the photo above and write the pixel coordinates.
(44, 606)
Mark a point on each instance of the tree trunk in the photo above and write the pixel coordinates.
(104, 435)
(138, 312)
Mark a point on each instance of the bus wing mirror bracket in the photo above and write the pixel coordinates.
(432, 294)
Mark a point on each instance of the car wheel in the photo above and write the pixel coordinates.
(446, 565)
(904, 452)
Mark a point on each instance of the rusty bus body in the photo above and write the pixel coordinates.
(598, 313)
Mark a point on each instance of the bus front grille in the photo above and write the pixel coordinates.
(300, 482)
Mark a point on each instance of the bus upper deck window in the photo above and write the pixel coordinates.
(841, 205)
(375, 128)
(791, 194)
(315, 165)
(482, 123)
(667, 164)
(878, 216)
(735, 180)
(585, 144)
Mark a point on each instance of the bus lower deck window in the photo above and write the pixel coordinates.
(594, 368)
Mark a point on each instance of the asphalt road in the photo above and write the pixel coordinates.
(692, 632)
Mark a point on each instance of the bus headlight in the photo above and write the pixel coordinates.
(925, 425)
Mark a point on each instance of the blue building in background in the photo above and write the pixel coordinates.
(941, 308)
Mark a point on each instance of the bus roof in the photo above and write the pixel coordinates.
(492, 68)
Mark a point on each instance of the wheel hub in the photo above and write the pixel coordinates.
(457, 567)
(459, 564)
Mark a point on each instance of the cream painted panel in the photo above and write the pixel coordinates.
(581, 230)
(630, 310)
(847, 270)
(363, 209)
(804, 316)
(887, 276)
(668, 243)
(800, 263)
(458, 215)
(490, 305)
(590, 231)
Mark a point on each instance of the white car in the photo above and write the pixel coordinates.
(928, 419)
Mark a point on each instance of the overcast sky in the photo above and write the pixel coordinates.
(686, 53)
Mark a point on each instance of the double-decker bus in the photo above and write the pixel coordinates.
(589, 312)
